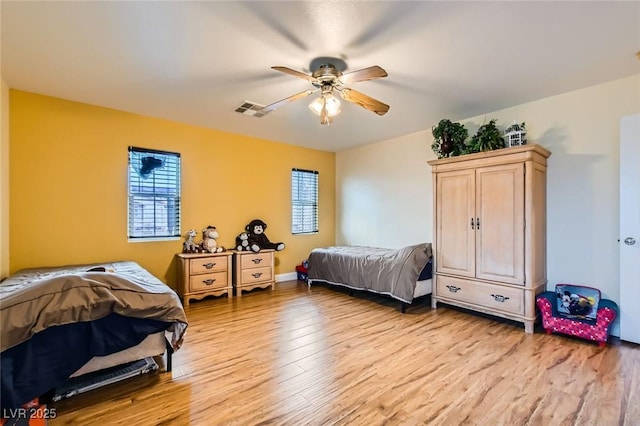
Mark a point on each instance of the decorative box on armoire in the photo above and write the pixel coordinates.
(490, 231)
(253, 270)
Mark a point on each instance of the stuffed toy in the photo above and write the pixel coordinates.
(575, 301)
(209, 243)
(243, 243)
(255, 229)
(190, 246)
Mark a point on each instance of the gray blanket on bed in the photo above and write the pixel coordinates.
(34, 299)
(393, 272)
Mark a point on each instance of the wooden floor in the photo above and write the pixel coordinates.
(299, 356)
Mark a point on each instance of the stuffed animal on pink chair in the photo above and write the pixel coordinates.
(577, 311)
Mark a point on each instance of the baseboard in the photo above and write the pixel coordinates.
(289, 276)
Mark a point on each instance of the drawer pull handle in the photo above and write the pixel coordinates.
(209, 265)
(453, 288)
(256, 261)
(257, 275)
(209, 281)
(499, 297)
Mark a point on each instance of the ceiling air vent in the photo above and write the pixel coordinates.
(251, 108)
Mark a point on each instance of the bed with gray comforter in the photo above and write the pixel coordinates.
(54, 320)
(392, 272)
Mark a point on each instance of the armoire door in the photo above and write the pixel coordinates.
(500, 223)
(455, 233)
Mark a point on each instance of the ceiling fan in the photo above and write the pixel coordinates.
(327, 77)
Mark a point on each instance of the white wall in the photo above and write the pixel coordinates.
(385, 189)
(383, 193)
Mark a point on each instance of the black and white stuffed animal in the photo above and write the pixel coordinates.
(255, 229)
(244, 244)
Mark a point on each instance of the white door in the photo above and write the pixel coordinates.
(630, 228)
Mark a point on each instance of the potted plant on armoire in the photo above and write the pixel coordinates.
(448, 138)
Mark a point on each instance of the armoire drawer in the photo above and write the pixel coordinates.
(501, 298)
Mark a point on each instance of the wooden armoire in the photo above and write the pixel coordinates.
(490, 231)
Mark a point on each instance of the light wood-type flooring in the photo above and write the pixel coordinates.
(300, 356)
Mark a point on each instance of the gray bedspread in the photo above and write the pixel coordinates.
(34, 299)
(393, 272)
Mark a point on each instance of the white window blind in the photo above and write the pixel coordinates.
(304, 201)
(154, 194)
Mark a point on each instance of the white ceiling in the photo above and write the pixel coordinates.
(195, 62)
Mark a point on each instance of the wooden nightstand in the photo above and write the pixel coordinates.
(204, 274)
(252, 270)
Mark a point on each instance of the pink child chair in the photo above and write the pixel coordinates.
(577, 311)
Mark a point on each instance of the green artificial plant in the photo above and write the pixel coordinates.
(487, 138)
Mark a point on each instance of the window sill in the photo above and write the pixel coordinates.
(152, 239)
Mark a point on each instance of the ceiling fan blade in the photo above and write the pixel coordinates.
(291, 98)
(364, 74)
(364, 101)
(295, 73)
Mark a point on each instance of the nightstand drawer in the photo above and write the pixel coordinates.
(256, 260)
(204, 265)
(255, 275)
(492, 296)
(208, 281)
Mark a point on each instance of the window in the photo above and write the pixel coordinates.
(154, 194)
(304, 201)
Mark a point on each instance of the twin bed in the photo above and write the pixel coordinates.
(65, 322)
(403, 274)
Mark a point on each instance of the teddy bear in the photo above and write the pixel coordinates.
(190, 246)
(243, 243)
(209, 243)
(255, 229)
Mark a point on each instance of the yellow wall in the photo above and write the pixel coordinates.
(68, 185)
(4, 179)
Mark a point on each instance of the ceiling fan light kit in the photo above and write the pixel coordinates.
(330, 102)
(326, 76)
